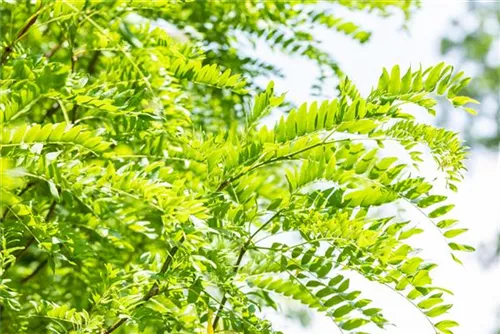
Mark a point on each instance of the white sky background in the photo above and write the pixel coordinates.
(477, 294)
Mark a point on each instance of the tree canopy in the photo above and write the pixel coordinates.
(145, 191)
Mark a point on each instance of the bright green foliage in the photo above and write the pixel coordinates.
(143, 192)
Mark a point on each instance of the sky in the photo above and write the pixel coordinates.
(477, 288)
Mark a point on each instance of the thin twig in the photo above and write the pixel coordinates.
(52, 51)
(31, 240)
(26, 188)
(242, 252)
(92, 62)
(273, 160)
(153, 291)
(288, 156)
(74, 113)
(21, 33)
(35, 272)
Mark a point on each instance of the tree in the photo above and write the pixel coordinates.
(143, 192)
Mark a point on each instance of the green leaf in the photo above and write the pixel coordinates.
(395, 80)
(455, 232)
(422, 278)
(343, 310)
(54, 191)
(325, 292)
(72, 133)
(445, 324)
(19, 133)
(441, 211)
(57, 132)
(471, 111)
(437, 311)
(447, 223)
(32, 133)
(324, 270)
(459, 247)
(408, 233)
(430, 200)
(344, 286)
(433, 77)
(406, 82)
(459, 101)
(384, 80)
(353, 323)
(428, 303)
(335, 280)
(274, 204)
(411, 266)
(417, 84)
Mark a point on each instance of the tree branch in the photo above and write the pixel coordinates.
(35, 272)
(31, 240)
(154, 289)
(242, 252)
(284, 157)
(26, 188)
(52, 51)
(21, 33)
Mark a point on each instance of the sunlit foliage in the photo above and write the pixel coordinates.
(144, 190)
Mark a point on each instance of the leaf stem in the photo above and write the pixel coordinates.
(31, 240)
(21, 33)
(242, 252)
(284, 157)
(153, 291)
